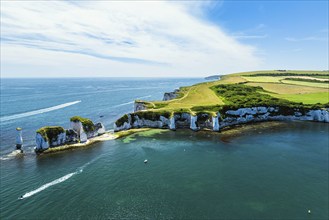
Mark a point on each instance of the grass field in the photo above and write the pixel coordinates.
(278, 72)
(281, 88)
(197, 95)
(311, 84)
(309, 98)
(264, 79)
(201, 96)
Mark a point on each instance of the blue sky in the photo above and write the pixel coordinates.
(292, 34)
(161, 39)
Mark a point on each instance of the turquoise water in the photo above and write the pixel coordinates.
(277, 172)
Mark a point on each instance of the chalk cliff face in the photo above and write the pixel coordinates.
(71, 136)
(170, 95)
(53, 136)
(49, 137)
(215, 123)
(139, 106)
(172, 125)
(100, 128)
(42, 143)
(19, 138)
(78, 128)
(85, 128)
(193, 125)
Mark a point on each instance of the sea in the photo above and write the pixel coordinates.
(259, 171)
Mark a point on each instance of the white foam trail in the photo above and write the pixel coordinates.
(127, 103)
(36, 112)
(147, 96)
(59, 180)
(43, 187)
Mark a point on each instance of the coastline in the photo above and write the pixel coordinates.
(220, 106)
(109, 135)
(229, 101)
(225, 134)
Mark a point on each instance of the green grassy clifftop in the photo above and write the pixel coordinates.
(285, 88)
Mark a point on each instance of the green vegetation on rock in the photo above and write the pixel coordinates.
(122, 120)
(87, 124)
(151, 115)
(50, 133)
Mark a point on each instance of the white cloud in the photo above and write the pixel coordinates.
(311, 38)
(112, 38)
(250, 36)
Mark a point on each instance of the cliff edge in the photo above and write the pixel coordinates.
(235, 99)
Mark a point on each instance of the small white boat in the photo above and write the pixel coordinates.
(145, 161)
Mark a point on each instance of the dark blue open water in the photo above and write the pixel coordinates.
(265, 172)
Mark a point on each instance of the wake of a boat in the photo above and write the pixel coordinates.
(36, 112)
(57, 181)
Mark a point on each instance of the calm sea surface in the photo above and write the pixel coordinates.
(277, 172)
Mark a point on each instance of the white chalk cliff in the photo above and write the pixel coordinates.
(60, 136)
(43, 143)
(231, 117)
(193, 125)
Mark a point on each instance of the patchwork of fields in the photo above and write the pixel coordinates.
(307, 87)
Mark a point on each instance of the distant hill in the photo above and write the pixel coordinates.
(213, 77)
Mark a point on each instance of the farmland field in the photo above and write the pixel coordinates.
(311, 84)
(308, 98)
(273, 83)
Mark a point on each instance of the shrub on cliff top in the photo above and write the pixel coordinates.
(149, 115)
(50, 133)
(87, 124)
(244, 96)
(121, 120)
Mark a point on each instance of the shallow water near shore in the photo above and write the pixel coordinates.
(276, 170)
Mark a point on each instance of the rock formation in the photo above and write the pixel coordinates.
(19, 139)
(215, 122)
(139, 106)
(81, 129)
(170, 95)
(49, 136)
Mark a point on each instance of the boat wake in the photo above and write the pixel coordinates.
(36, 112)
(57, 181)
(45, 186)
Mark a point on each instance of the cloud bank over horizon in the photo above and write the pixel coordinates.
(72, 38)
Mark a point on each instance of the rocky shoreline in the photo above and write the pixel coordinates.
(83, 132)
(143, 118)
